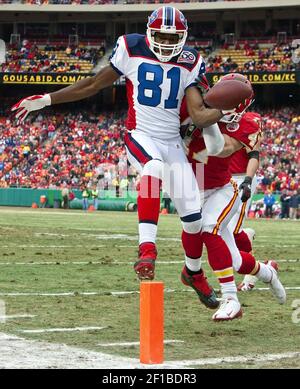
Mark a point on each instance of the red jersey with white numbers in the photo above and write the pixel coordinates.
(217, 170)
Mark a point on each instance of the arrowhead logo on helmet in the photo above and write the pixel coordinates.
(166, 32)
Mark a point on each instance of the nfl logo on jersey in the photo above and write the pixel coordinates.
(187, 57)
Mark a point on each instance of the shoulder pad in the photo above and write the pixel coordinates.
(248, 130)
(133, 40)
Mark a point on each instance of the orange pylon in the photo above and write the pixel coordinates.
(151, 322)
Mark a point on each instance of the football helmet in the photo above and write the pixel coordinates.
(166, 20)
(235, 115)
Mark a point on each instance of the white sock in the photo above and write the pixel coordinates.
(193, 264)
(229, 290)
(265, 273)
(147, 232)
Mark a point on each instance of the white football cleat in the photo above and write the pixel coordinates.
(247, 284)
(275, 285)
(229, 309)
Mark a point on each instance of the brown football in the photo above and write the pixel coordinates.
(229, 92)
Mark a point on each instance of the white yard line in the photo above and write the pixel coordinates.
(58, 263)
(129, 344)
(129, 262)
(50, 246)
(275, 236)
(275, 245)
(62, 213)
(8, 317)
(43, 330)
(109, 293)
(134, 246)
(104, 236)
(17, 352)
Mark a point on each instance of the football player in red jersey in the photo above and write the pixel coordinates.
(221, 202)
(243, 166)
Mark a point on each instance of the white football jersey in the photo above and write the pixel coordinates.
(154, 89)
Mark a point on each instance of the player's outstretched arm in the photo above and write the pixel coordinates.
(252, 167)
(253, 163)
(86, 87)
(78, 91)
(231, 146)
(201, 116)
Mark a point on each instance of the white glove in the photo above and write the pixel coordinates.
(31, 103)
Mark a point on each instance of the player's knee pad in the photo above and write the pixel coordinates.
(192, 224)
(154, 168)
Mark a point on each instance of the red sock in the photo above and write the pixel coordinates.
(192, 244)
(249, 264)
(219, 257)
(242, 242)
(148, 201)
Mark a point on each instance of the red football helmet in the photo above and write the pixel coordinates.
(166, 20)
(238, 112)
(249, 129)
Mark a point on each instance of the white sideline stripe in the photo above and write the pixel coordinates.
(238, 359)
(7, 317)
(17, 352)
(128, 344)
(40, 331)
(117, 293)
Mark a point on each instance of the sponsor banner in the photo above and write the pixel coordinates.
(41, 78)
(70, 78)
(261, 77)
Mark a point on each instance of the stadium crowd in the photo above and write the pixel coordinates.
(50, 59)
(49, 150)
(84, 150)
(275, 58)
(279, 165)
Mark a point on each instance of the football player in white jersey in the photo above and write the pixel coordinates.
(159, 70)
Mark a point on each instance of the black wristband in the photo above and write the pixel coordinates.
(248, 180)
(253, 154)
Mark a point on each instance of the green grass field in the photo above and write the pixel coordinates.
(56, 251)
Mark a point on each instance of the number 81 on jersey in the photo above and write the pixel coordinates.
(150, 78)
